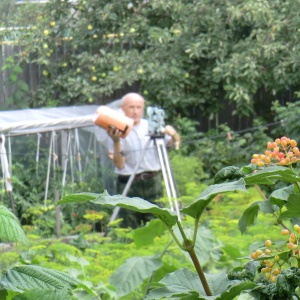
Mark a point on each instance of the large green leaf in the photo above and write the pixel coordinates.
(236, 290)
(145, 235)
(248, 218)
(137, 204)
(42, 294)
(133, 273)
(196, 208)
(23, 278)
(78, 197)
(279, 197)
(228, 174)
(266, 207)
(271, 174)
(185, 282)
(10, 229)
(292, 207)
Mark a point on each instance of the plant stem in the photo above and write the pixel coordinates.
(199, 270)
(195, 231)
(260, 191)
(189, 247)
(182, 233)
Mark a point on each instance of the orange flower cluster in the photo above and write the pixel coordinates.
(283, 151)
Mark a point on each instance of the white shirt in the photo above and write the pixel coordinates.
(133, 146)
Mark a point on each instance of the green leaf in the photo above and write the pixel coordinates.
(42, 294)
(23, 278)
(137, 204)
(249, 169)
(133, 273)
(271, 174)
(236, 290)
(79, 197)
(10, 229)
(266, 207)
(248, 218)
(185, 282)
(231, 251)
(228, 174)
(80, 260)
(196, 208)
(292, 207)
(145, 235)
(279, 197)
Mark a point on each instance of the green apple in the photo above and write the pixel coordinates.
(45, 46)
(46, 32)
(132, 30)
(52, 23)
(103, 75)
(140, 71)
(94, 78)
(90, 27)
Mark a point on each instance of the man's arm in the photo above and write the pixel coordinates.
(117, 155)
(175, 141)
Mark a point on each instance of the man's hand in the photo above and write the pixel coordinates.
(175, 136)
(116, 155)
(169, 130)
(114, 133)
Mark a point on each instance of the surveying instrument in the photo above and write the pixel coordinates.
(156, 125)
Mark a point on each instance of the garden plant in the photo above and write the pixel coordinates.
(271, 271)
(32, 282)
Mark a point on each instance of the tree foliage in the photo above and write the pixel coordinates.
(179, 54)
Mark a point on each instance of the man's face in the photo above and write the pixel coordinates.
(134, 109)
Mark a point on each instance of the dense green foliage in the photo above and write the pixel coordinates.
(272, 270)
(179, 54)
(187, 56)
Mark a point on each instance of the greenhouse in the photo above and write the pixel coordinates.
(65, 137)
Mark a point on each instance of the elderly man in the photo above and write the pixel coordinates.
(126, 152)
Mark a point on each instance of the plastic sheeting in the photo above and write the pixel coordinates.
(26, 121)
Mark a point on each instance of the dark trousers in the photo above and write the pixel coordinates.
(148, 189)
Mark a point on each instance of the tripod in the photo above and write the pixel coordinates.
(166, 171)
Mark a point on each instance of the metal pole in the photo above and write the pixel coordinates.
(165, 176)
(49, 167)
(5, 171)
(168, 178)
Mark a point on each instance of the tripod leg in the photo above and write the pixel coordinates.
(168, 178)
(171, 179)
(165, 176)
